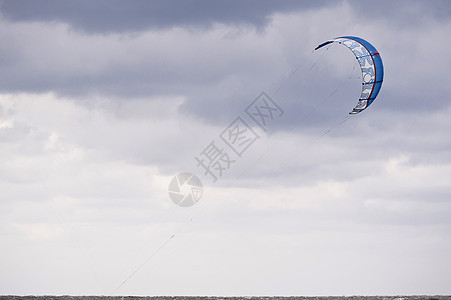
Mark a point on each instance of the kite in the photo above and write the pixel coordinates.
(370, 64)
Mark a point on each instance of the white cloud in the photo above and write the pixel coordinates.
(83, 179)
(39, 231)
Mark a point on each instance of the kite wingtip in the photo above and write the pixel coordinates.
(323, 44)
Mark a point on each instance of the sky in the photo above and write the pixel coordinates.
(103, 103)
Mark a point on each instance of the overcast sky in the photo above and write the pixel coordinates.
(102, 103)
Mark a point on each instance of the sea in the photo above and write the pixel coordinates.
(66, 297)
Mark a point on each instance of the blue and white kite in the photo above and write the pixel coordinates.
(370, 64)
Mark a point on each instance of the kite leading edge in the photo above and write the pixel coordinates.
(371, 65)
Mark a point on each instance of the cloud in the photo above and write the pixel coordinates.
(220, 69)
(120, 16)
(403, 13)
(97, 116)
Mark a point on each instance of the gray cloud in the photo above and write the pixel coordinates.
(403, 13)
(217, 71)
(97, 116)
(122, 16)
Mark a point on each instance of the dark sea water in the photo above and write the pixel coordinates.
(224, 298)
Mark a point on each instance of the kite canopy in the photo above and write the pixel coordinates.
(370, 64)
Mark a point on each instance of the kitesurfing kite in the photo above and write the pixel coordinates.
(370, 64)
